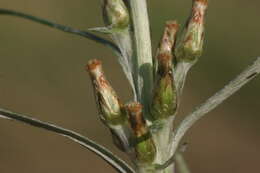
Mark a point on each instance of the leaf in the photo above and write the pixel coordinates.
(62, 28)
(99, 150)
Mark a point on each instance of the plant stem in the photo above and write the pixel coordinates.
(181, 163)
(247, 75)
(180, 74)
(143, 62)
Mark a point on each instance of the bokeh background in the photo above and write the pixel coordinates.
(42, 74)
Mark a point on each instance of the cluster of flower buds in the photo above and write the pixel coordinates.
(115, 14)
(126, 123)
(191, 45)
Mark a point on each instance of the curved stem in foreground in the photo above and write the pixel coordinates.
(62, 28)
(99, 150)
(247, 75)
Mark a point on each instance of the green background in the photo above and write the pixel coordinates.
(42, 74)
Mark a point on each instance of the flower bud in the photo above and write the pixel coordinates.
(167, 42)
(169, 37)
(115, 14)
(191, 45)
(110, 108)
(144, 145)
(164, 99)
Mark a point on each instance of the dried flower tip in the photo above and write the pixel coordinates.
(115, 14)
(191, 45)
(108, 103)
(94, 67)
(202, 1)
(144, 145)
(165, 47)
(169, 37)
(137, 122)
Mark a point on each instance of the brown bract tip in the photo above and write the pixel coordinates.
(172, 24)
(134, 107)
(136, 118)
(201, 1)
(164, 63)
(93, 65)
(164, 58)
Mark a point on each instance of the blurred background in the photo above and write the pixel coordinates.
(42, 74)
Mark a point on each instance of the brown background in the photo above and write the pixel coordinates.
(42, 75)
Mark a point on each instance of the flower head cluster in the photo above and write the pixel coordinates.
(134, 129)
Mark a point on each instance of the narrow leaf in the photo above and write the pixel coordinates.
(99, 150)
(62, 28)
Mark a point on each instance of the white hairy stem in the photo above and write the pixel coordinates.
(143, 49)
(247, 75)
